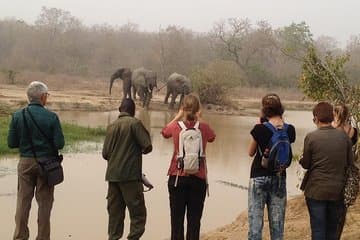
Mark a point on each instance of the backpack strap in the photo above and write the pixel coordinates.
(181, 144)
(182, 125)
(273, 128)
(201, 152)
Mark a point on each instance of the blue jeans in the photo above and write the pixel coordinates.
(324, 218)
(269, 190)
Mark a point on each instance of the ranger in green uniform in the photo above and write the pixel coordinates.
(30, 180)
(125, 142)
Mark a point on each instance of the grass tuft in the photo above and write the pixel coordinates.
(73, 134)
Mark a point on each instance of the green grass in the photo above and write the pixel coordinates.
(73, 135)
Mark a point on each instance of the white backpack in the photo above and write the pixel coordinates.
(190, 149)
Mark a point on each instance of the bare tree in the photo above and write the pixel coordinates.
(230, 36)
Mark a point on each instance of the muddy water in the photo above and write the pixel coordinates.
(80, 205)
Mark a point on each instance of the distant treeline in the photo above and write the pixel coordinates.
(235, 52)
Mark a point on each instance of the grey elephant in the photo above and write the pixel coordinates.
(177, 84)
(143, 82)
(125, 74)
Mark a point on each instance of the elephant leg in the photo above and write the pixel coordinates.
(167, 97)
(147, 98)
(134, 92)
(141, 94)
(144, 99)
(129, 92)
(125, 93)
(172, 102)
(181, 98)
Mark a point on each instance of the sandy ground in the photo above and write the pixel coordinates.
(297, 224)
(96, 98)
(100, 100)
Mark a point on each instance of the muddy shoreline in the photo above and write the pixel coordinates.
(94, 100)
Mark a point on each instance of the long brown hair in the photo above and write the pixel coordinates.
(190, 105)
(342, 113)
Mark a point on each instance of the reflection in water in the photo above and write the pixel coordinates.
(144, 116)
(7, 167)
(5, 170)
(80, 202)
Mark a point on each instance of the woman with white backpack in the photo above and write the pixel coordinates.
(187, 182)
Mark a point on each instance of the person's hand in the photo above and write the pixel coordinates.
(177, 117)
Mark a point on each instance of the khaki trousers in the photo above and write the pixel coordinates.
(30, 181)
(122, 195)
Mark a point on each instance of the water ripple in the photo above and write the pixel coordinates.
(6, 171)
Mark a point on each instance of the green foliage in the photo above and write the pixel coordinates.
(326, 80)
(73, 134)
(5, 109)
(4, 126)
(259, 76)
(212, 81)
(295, 39)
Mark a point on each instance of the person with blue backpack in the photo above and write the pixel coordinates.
(270, 146)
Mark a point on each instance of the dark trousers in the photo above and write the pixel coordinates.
(188, 196)
(341, 223)
(122, 195)
(324, 218)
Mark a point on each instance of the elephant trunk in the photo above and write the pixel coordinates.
(114, 76)
(111, 83)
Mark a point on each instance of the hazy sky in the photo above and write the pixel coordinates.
(336, 18)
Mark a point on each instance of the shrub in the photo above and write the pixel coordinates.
(212, 81)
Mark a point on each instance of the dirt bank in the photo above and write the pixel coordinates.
(96, 98)
(297, 224)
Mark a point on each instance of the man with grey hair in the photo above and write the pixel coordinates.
(32, 143)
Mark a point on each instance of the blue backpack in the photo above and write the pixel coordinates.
(280, 149)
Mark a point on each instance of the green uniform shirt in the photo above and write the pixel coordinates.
(125, 140)
(48, 122)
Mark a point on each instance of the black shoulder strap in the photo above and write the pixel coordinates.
(28, 131)
(55, 150)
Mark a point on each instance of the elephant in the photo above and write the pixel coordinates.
(124, 74)
(177, 84)
(143, 82)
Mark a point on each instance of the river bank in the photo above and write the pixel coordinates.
(297, 224)
(97, 98)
